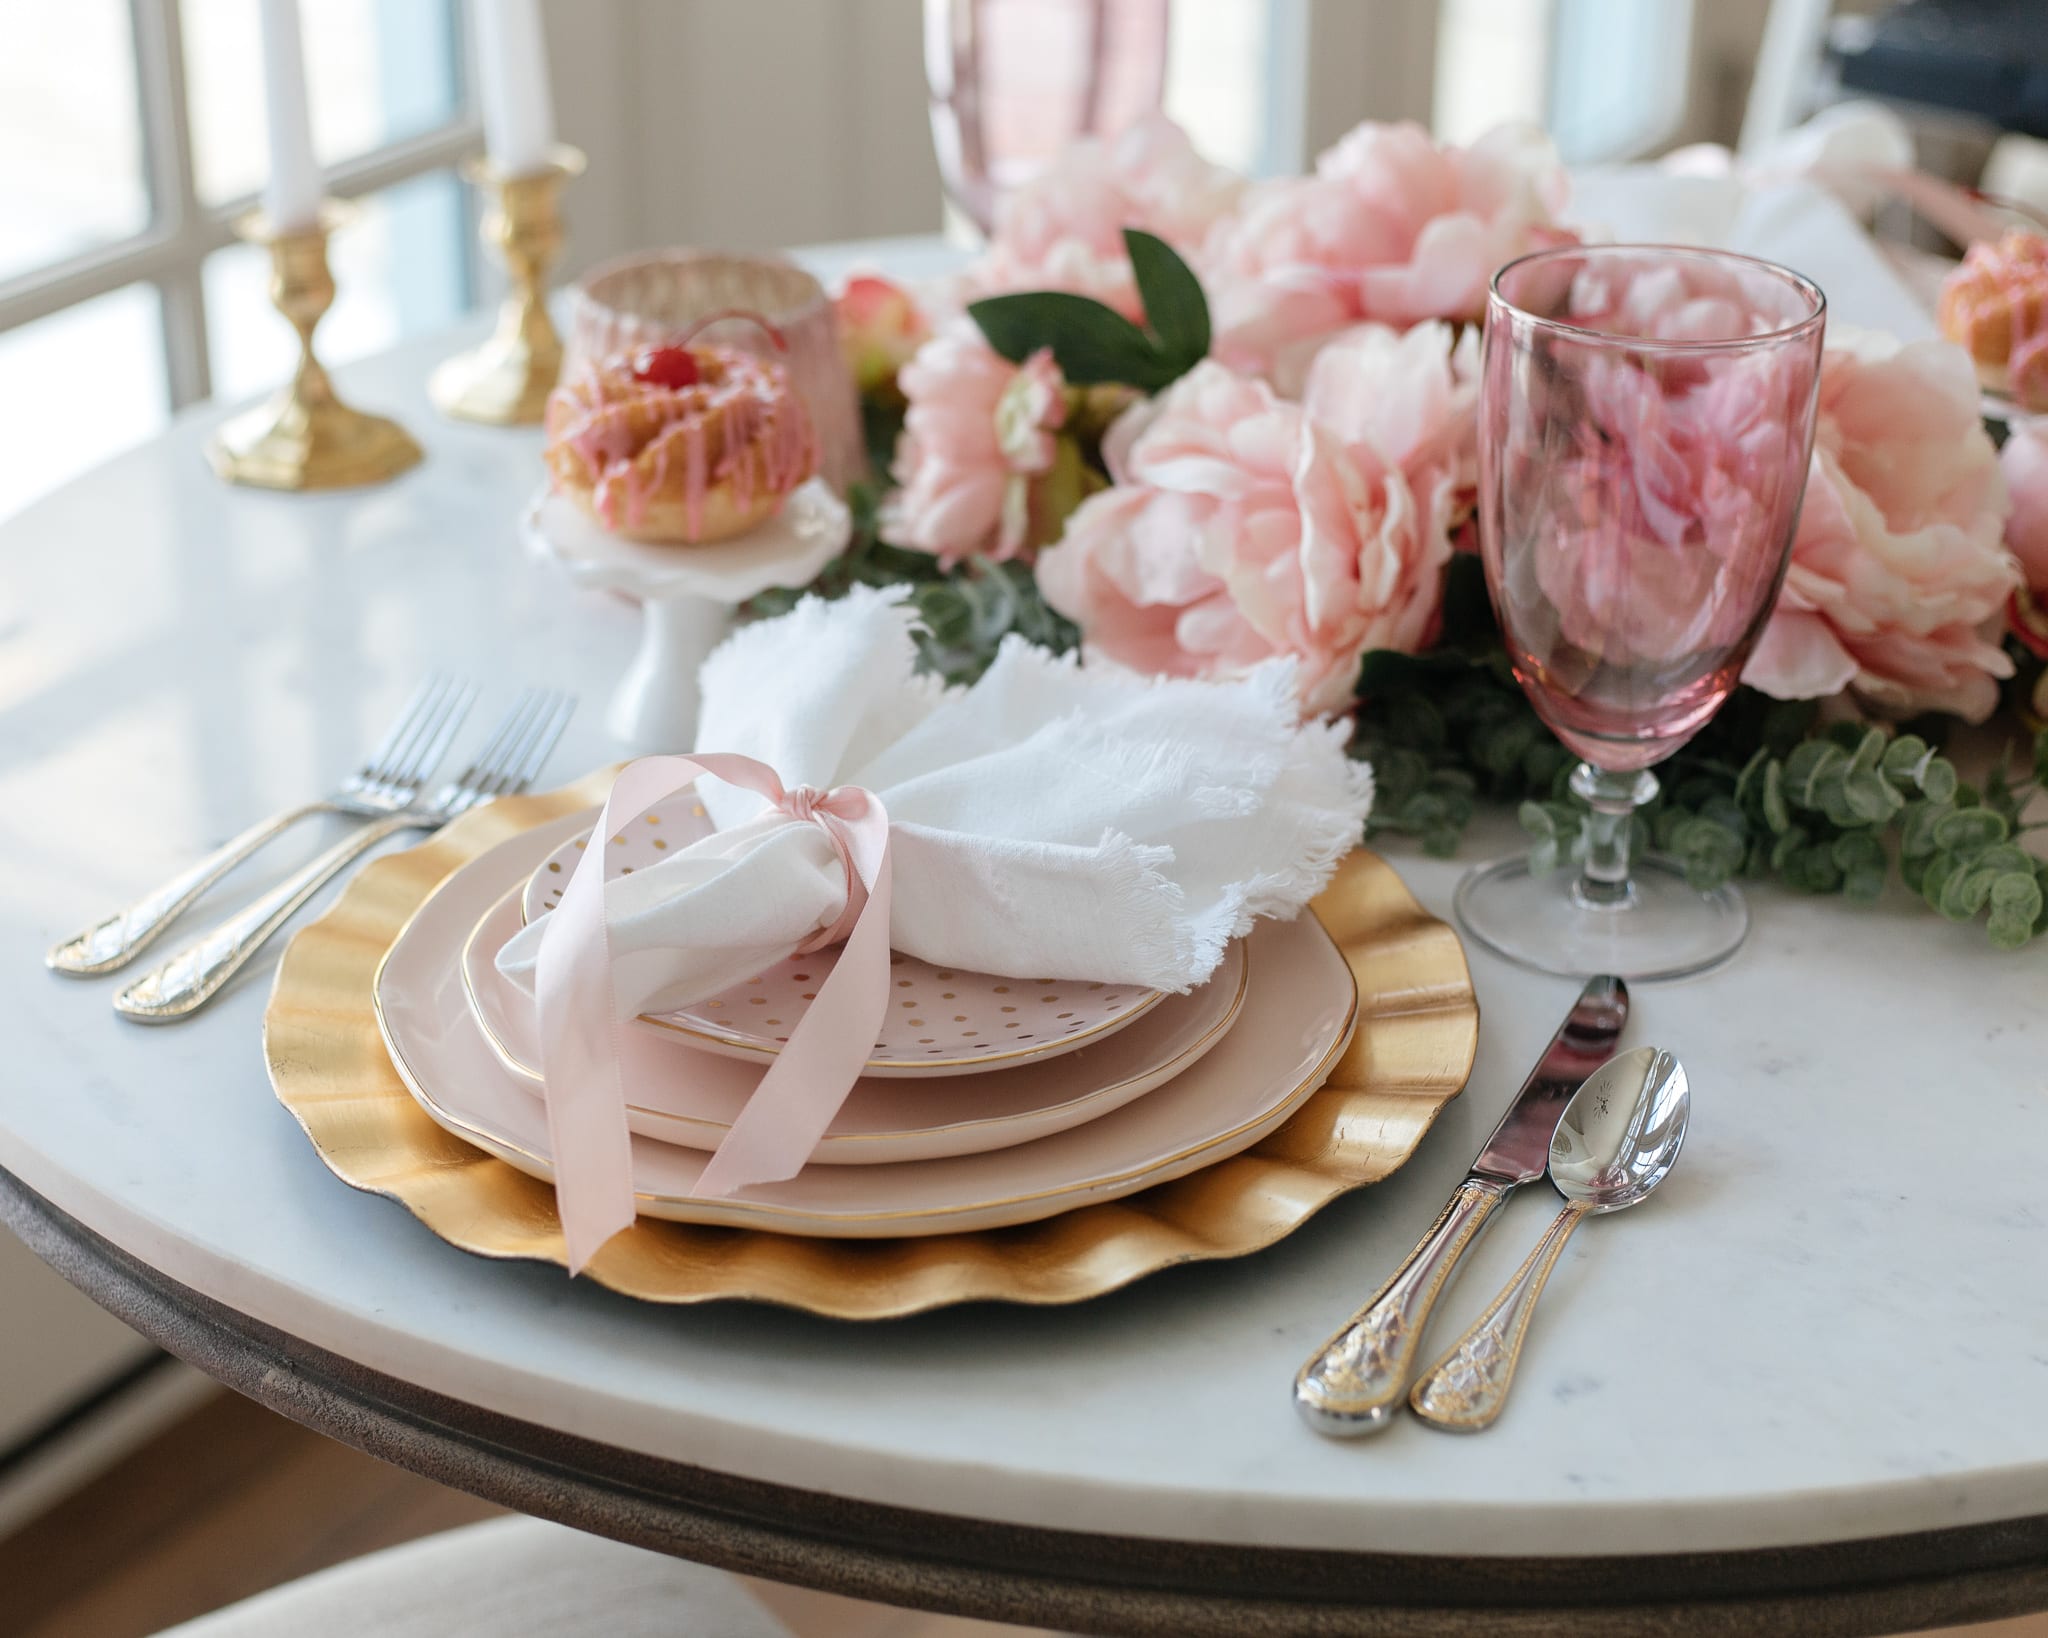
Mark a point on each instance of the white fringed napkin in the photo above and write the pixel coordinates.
(1088, 823)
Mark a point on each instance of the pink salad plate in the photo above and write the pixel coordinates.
(678, 1094)
(942, 1021)
(1299, 1010)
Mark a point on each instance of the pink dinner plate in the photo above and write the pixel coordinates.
(1299, 1011)
(678, 1094)
(941, 1021)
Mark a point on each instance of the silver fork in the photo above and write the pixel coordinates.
(389, 780)
(507, 763)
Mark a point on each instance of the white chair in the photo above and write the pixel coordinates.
(508, 1578)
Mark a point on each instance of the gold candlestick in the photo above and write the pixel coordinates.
(506, 381)
(306, 437)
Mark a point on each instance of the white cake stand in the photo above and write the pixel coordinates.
(688, 594)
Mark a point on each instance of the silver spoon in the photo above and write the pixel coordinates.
(1615, 1142)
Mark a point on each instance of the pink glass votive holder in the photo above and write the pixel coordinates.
(651, 298)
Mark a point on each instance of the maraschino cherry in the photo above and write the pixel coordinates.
(671, 367)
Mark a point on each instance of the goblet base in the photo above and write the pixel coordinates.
(1665, 929)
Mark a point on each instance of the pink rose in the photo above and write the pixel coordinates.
(1391, 228)
(1063, 230)
(1240, 530)
(880, 327)
(1899, 573)
(978, 433)
(2025, 463)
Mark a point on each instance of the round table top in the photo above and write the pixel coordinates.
(1827, 1326)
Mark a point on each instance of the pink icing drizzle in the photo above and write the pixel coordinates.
(769, 446)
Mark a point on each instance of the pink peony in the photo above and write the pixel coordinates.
(1899, 573)
(1241, 530)
(1649, 507)
(1410, 398)
(978, 431)
(1391, 228)
(2025, 463)
(880, 328)
(1064, 229)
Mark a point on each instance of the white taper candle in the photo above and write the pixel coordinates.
(291, 198)
(512, 84)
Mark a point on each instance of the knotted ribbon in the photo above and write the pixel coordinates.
(579, 1012)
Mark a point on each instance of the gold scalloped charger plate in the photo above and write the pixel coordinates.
(1417, 1032)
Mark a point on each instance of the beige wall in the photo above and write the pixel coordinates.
(743, 124)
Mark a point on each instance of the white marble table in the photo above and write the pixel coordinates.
(1830, 1326)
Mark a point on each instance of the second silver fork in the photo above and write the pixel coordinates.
(389, 780)
(509, 761)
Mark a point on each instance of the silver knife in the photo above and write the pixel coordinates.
(1358, 1380)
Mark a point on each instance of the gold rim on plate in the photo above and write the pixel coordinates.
(1418, 1030)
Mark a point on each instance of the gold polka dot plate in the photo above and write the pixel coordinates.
(1417, 1032)
(940, 1021)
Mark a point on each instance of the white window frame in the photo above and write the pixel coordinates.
(170, 253)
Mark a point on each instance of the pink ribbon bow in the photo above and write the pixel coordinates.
(580, 1022)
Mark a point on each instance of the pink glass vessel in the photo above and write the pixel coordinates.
(1014, 81)
(1646, 422)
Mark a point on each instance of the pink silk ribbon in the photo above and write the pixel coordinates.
(579, 1012)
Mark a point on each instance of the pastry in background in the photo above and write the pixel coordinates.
(680, 445)
(1996, 305)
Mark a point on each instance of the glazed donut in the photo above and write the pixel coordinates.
(679, 445)
(1996, 305)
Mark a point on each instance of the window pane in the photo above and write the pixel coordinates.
(378, 71)
(70, 131)
(401, 269)
(81, 384)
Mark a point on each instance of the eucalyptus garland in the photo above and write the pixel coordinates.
(1767, 790)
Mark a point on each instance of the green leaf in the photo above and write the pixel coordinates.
(2016, 895)
(1787, 846)
(2007, 931)
(1870, 796)
(1869, 752)
(1903, 757)
(1954, 901)
(1864, 885)
(1776, 814)
(1090, 342)
(2041, 756)
(1536, 819)
(1813, 869)
(1858, 850)
(1176, 311)
(1802, 766)
(1543, 857)
(1441, 842)
(1934, 879)
(2007, 858)
(1916, 832)
(1968, 829)
(1938, 779)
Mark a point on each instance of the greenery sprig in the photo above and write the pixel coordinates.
(1765, 791)
(1092, 343)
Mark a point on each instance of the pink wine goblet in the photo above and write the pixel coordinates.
(1645, 424)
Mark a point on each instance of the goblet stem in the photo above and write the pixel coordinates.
(1603, 882)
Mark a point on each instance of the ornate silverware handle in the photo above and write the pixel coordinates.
(1466, 1389)
(1356, 1382)
(124, 935)
(192, 977)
